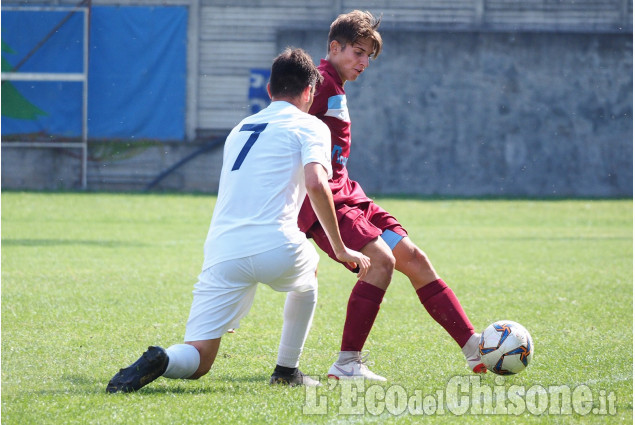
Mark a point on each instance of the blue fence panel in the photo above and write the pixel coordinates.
(137, 73)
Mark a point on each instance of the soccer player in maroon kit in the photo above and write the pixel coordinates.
(353, 41)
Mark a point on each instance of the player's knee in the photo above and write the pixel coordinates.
(390, 262)
(207, 351)
(419, 256)
(312, 292)
(384, 264)
(306, 298)
(313, 295)
(203, 369)
(200, 373)
(414, 255)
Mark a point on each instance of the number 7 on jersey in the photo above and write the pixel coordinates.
(257, 129)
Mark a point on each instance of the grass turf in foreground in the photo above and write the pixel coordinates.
(90, 280)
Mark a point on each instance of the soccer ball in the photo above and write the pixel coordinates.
(506, 347)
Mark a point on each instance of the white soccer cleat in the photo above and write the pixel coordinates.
(473, 355)
(353, 370)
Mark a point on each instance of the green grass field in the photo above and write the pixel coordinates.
(90, 280)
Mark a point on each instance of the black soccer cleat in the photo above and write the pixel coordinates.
(284, 376)
(146, 369)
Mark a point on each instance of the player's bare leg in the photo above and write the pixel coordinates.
(438, 299)
(382, 263)
(414, 263)
(363, 306)
(208, 349)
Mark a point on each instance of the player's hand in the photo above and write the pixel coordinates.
(355, 259)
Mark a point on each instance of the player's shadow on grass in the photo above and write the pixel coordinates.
(69, 242)
(212, 386)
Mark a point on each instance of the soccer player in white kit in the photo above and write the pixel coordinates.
(271, 161)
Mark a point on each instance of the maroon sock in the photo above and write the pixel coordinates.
(446, 309)
(363, 306)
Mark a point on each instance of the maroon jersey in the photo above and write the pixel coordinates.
(329, 105)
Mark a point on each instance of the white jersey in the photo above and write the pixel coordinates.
(262, 182)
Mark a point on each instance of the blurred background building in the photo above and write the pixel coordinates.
(468, 98)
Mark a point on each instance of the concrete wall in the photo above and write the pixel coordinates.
(473, 97)
(114, 166)
(539, 114)
(438, 113)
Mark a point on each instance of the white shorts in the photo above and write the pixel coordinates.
(225, 291)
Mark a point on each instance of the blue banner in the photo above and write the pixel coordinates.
(258, 96)
(136, 78)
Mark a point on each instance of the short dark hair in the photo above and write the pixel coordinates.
(292, 71)
(348, 28)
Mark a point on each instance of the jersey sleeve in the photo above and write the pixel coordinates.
(320, 105)
(316, 145)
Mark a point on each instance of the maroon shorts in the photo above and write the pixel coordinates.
(359, 225)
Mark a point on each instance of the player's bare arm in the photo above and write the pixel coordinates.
(321, 198)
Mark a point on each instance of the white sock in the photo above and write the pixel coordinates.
(471, 345)
(298, 315)
(183, 361)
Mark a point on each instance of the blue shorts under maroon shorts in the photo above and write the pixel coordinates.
(360, 224)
